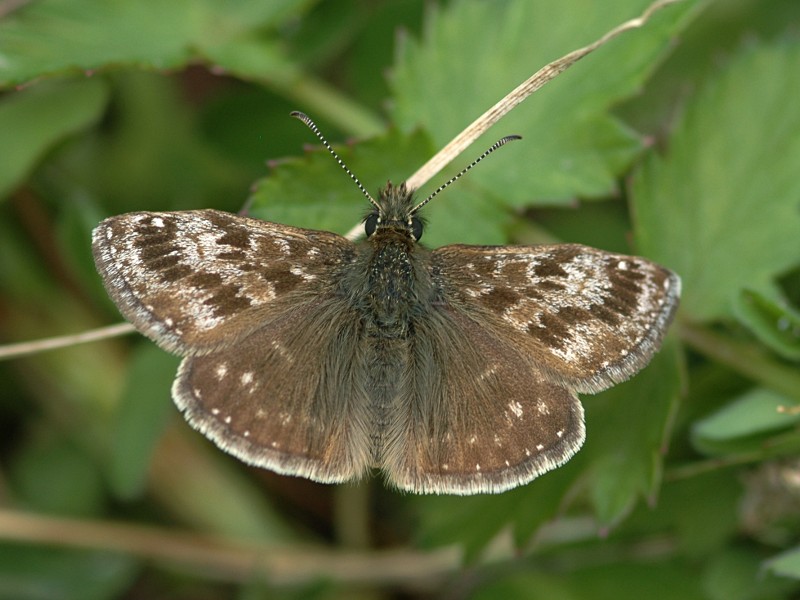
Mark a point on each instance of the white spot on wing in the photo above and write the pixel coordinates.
(157, 222)
(516, 408)
(221, 370)
(247, 378)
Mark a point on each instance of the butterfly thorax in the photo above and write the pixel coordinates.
(391, 281)
(390, 293)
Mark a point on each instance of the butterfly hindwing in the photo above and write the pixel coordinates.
(291, 398)
(476, 414)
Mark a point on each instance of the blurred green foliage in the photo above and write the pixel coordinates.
(679, 141)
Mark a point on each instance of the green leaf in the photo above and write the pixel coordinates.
(667, 580)
(721, 207)
(772, 321)
(150, 154)
(737, 573)
(315, 192)
(786, 564)
(756, 412)
(40, 573)
(627, 431)
(141, 417)
(57, 36)
(473, 53)
(469, 521)
(34, 120)
(53, 475)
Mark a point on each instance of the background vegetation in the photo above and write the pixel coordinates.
(679, 142)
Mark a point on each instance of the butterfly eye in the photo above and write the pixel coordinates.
(371, 224)
(416, 228)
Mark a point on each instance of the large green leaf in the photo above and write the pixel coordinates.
(315, 192)
(54, 36)
(786, 564)
(758, 411)
(34, 120)
(772, 320)
(622, 580)
(627, 432)
(721, 206)
(473, 53)
(141, 418)
(41, 573)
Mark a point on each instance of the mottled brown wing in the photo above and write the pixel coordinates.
(476, 414)
(291, 398)
(197, 281)
(586, 318)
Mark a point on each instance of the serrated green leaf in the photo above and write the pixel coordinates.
(721, 207)
(315, 192)
(627, 428)
(571, 145)
(34, 120)
(141, 417)
(753, 413)
(57, 36)
(773, 322)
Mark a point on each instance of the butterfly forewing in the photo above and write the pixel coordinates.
(196, 281)
(588, 318)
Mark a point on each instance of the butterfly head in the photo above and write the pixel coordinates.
(394, 211)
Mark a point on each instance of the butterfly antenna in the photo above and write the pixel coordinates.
(313, 127)
(492, 148)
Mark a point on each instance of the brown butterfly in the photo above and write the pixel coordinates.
(454, 370)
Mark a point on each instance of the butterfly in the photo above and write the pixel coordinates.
(454, 370)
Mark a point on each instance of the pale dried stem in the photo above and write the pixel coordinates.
(232, 560)
(93, 335)
(516, 96)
